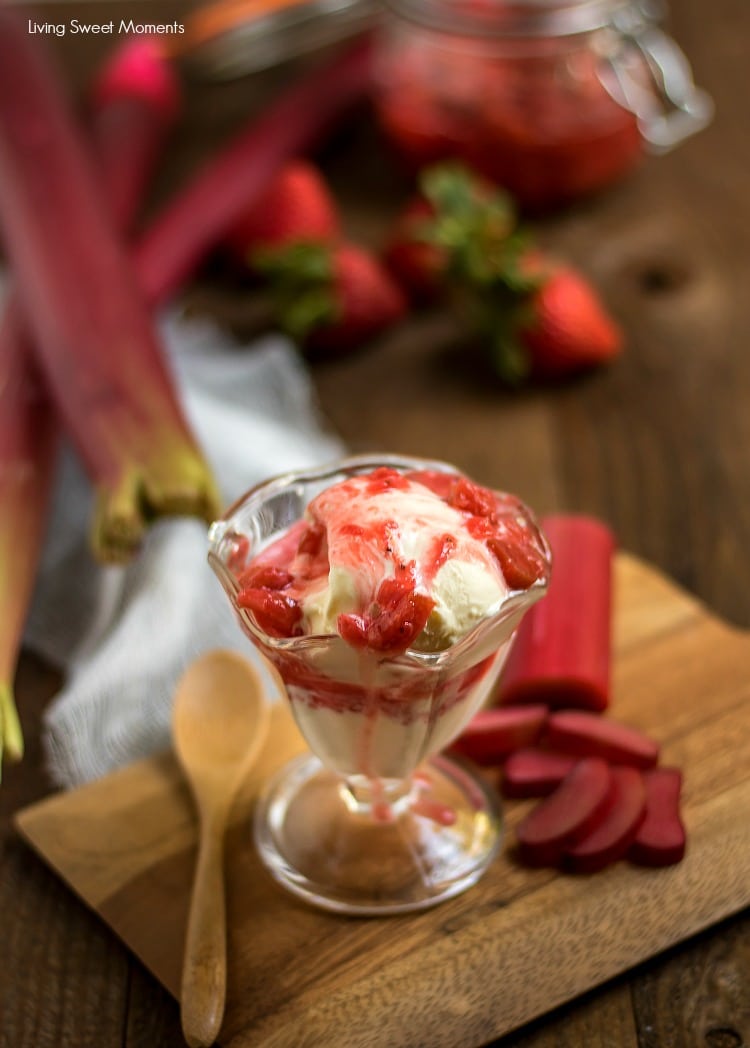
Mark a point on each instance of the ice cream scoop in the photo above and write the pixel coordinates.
(392, 560)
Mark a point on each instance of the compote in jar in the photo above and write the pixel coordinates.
(553, 100)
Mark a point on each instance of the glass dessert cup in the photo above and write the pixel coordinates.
(376, 820)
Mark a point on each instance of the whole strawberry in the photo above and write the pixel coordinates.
(542, 319)
(566, 328)
(537, 317)
(296, 208)
(331, 298)
(411, 255)
(453, 225)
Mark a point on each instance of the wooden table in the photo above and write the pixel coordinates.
(656, 445)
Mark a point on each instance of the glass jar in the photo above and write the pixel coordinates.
(553, 99)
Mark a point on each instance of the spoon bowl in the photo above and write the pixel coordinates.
(220, 722)
(220, 717)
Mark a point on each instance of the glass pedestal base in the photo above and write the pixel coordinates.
(342, 848)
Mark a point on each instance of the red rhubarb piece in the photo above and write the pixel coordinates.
(561, 655)
(611, 838)
(492, 734)
(532, 772)
(660, 840)
(588, 735)
(567, 815)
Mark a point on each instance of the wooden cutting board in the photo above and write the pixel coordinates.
(515, 946)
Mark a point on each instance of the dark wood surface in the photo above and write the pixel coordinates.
(656, 445)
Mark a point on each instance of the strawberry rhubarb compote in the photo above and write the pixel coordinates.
(388, 606)
(552, 99)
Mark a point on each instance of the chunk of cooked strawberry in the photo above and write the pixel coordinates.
(385, 478)
(394, 620)
(264, 576)
(275, 612)
(514, 546)
(469, 497)
(521, 562)
(312, 540)
(440, 484)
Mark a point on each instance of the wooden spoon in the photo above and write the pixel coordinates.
(219, 721)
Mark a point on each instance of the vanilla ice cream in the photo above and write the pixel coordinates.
(373, 532)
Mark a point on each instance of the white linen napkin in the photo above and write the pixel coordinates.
(123, 635)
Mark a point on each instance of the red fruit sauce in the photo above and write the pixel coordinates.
(540, 124)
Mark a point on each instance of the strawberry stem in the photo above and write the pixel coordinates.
(301, 282)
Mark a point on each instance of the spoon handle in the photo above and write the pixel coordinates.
(204, 971)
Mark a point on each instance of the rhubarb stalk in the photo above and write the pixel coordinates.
(562, 652)
(94, 339)
(135, 100)
(28, 444)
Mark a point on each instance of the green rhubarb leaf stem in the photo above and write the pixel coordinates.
(11, 736)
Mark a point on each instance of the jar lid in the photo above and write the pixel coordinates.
(230, 38)
(522, 17)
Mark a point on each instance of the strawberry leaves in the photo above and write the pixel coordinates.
(537, 318)
(301, 279)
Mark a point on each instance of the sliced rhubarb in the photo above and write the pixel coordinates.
(589, 735)
(29, 430)
(234, 180)
(492, 734)
(533, 772)
(562, 651)
(94, 339)
(660, 840)
(610, 839)
(567, 815)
